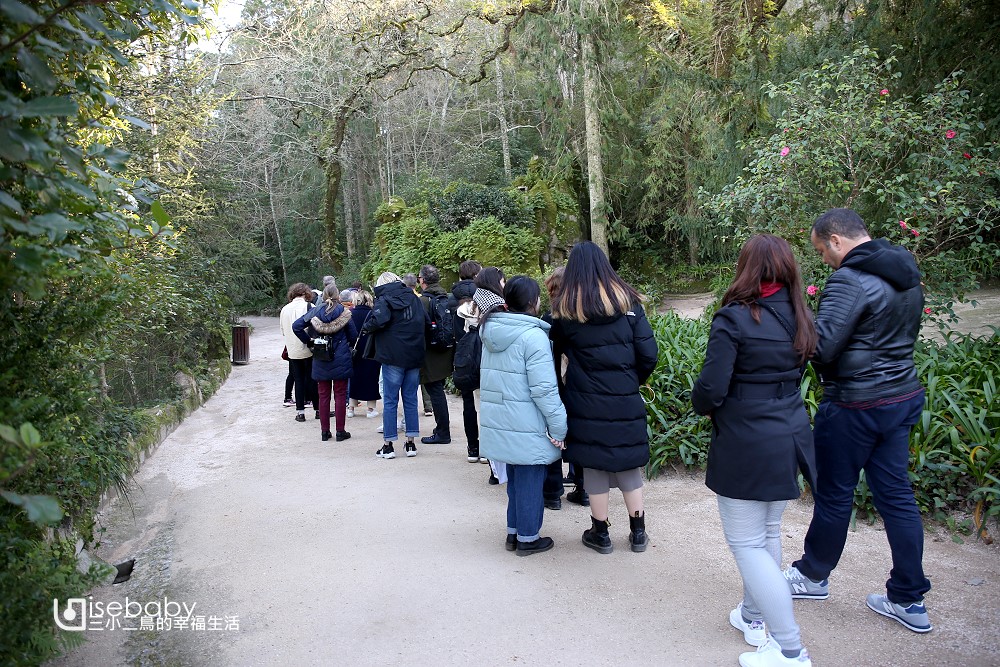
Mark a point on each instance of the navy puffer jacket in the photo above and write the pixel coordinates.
(608, 359)
(398, 322)
(335, 324)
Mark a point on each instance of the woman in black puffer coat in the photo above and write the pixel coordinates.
(332, 321)
(599, 324)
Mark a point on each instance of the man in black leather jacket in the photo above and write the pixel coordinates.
(868, 322)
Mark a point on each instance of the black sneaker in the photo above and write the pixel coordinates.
(342, 435)
(493, 479)
(579, 497)
(411, 449)
(554, 504)
(435, 439)
(386, 451)
(511, 543)
(300, 418)
(536, 547)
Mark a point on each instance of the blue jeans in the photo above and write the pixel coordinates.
(524, 501)
(876, 440)
(396, 381)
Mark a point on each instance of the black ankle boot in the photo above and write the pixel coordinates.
(326, 435)
(638, 538)
(597, 538)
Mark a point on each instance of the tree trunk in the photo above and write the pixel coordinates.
(274, 221)
(348, 196)
(362, 198)
(502, 113)
(595, 169)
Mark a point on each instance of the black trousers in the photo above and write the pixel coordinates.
(470, 418)
(553, 486)
(440, 406)
(305, 387)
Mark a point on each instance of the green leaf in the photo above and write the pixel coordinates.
(10, 202)
(159, 214)
(9, 433)
(30, 435)
(38, 73)
(19, 13)
(137, 122)
(48, 106)
(40, 509)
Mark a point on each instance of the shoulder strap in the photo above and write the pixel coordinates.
(781, 320)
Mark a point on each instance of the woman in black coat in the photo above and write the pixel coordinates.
(599, 324)
(330, 321)
(760, 340)
(364, 384)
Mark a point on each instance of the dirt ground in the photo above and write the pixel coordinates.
(318, 553)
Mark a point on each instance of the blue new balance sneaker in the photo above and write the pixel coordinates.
(912, 616)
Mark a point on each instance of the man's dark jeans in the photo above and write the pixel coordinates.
(439, 403)
(877, 441)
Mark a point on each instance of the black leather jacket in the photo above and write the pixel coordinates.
(868, 322)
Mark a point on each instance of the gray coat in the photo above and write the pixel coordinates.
(520, 397)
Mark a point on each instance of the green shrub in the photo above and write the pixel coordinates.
(916, 170)
(461, 203)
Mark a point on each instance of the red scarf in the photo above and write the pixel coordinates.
(767, 289)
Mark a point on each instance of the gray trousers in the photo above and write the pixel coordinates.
(753, 533)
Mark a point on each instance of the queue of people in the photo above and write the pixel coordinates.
(564, 386)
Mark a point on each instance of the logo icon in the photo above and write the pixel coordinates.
(74, 617)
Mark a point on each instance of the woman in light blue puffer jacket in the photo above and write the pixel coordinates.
(522, 419)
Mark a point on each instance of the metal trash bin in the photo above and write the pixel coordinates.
(241, 343)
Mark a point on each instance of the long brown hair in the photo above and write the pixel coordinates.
(768, 258)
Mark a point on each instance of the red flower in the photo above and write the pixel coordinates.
(915, 232)
(811, 290)
(927, 310)
(884, 91)
(966, 156)
(784, 151)
(902, 224)
(950, 134)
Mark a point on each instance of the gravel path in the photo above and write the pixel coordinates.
(324, 554)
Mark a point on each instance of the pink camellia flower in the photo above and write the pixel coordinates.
(902, 224)
(884, 91)
(811, 290)
(950, 134)
(927, 310)
(785, 151)
(966, 156)
(915, 232)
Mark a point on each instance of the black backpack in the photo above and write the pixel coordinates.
(468, 357)
(441, 334)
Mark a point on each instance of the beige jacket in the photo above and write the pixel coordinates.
(292, 311)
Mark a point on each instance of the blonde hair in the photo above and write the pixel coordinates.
(362, 298)
(331, 295)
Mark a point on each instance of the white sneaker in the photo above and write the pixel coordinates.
(754, 632)
(770, 655)
(379, 429)
(350, 412)
(372, 414)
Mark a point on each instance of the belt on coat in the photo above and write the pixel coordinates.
(753, 390)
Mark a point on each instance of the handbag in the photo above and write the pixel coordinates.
(369, 351)
(284, 353)
(322, 348)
